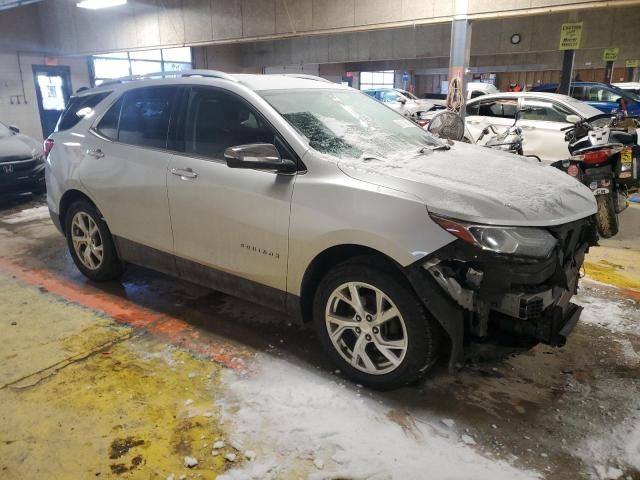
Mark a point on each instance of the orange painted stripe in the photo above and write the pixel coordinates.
(173, 330)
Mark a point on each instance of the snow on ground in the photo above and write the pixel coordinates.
(303, 422)
(616, 315)
(27, 215)
(614, 451)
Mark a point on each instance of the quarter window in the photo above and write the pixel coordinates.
(108, 125)
(79, 108)
(217, 120)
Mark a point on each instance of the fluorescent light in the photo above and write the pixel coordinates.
(97, 4)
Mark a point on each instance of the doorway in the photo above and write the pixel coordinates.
(53, 89)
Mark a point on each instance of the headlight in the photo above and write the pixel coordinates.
(522, 241)
(508, 146)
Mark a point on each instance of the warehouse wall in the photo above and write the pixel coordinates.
(152, 23)
(19, 38)
(426, 47)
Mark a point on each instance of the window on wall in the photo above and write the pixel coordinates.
(122, 64)
(383, 79)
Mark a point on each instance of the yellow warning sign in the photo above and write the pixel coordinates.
(610, 54)
(632, 63)
(570, 36)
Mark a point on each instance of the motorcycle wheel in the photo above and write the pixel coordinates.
(606, 216)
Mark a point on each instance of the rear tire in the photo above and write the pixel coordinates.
(606, 216)
(400, 348)
(90, 243)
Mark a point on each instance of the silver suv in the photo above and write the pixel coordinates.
(316, 200)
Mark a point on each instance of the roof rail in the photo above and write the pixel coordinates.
(176, 73)
(306, 77)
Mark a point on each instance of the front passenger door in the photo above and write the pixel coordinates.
(542, 129)
(230, 226)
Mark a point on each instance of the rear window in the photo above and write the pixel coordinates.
(79, 108)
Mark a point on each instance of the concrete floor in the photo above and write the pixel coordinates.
(125, 379)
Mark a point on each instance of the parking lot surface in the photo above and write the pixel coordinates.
(152, 377)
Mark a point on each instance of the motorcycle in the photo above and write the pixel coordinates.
(605, 156)
(508, 141)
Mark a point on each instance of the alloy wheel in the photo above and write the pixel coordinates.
(87, 241)
(366, 328)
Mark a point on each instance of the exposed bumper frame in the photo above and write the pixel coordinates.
(460, 310)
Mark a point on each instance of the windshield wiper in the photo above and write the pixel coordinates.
(435, 148)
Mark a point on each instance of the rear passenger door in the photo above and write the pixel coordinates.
(125, 167)
(497, 112)
(230, 225)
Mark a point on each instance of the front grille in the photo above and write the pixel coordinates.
(19, 166)
(531, 308)
(14, 158)
(24, 166)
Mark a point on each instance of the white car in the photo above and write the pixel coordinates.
(541, 126)
(406, 103)
(633, 87)
(477, 89)
(318, 201)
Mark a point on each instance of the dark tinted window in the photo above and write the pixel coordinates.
(472, 109)
(580, 93)
(108, 125)
(78, 108)
(496, 107)
(145, 115)
(217, 120)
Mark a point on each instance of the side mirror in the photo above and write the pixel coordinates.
(402, 100)
(14, 129)
(258, 156)
(572, 118)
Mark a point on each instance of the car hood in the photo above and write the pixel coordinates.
(18, 147)
(480, 185)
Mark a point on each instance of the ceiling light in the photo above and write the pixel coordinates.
(97, 4)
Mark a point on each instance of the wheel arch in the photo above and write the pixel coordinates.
(328, 258)
(68, 199)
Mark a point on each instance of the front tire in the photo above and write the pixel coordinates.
(606, 216)
(90, 243)
(374, 327)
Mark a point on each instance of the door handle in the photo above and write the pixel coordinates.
(473, 122)
(97, 153)
(184, 173)
(527, 127)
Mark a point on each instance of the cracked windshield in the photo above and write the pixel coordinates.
(349, 125)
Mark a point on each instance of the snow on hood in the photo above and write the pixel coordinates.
(479, 184)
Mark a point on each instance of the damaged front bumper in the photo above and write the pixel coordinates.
(482, 298)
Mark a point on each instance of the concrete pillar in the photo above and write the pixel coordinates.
(566, 76)
(567, 71)
(460, 44)
(608, 72)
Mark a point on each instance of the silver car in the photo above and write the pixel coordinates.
(314, 199)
